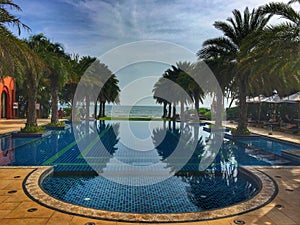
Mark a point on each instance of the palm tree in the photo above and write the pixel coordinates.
(17, 59)
(77, 66)
(56, 60)
(9, 44)
(109, 93)
(227, 49)
(191, 87)
(158, 94)
(172, 90)
(7, 18)
(276, 54)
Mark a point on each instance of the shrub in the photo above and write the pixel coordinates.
(58, 124)
(32, 129)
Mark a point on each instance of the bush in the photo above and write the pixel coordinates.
(32, 129)
(58, 124)
(203, 110)
(208, 115)
(234, 131)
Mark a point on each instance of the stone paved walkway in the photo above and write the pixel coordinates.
(11, 125)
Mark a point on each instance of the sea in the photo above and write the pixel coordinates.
(133, 111)
(130, 111)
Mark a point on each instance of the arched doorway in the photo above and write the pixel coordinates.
(3, 105)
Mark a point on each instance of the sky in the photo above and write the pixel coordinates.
(95, 27)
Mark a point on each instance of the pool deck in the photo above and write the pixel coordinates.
(282, 210)
(7, 126)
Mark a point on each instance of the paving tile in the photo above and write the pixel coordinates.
(124, 223)
(3, 198)
(225, 221)
(253, 220)
(183, 223)
(4, 183)
(24, 221)
(60, 218)
(18, 197)
(8, 205)
(21, 211)
(280, 218)
(77, 220)
(4, 213)
(13, 184)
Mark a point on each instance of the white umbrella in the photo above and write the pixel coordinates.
(256, 99)
(293, 98)
(272, 99)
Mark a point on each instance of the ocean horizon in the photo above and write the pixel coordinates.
(134, 111)
(146, 111)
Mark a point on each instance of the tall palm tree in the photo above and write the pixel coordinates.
(227, 49)
(109, 94)
(191, 87)
(9, 44)
(77, 66)
(174, 96)
(6, 18)
(158, 95)
(16, 57)
(276, 54)
(56, 60)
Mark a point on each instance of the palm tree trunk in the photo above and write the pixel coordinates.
(95, 109)
(196, 96)
(164, 110)
(54, 102)
(31, 110)
(243, 107)
(103, 109)
(170, 109)
(182, 111)
(100, 109)
(197, 107)
(219, 110)
(174, 111)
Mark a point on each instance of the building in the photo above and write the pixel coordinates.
(7, 97)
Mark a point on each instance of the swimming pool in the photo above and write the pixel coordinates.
(142, 174)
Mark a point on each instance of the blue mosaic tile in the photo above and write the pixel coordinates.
(175, 195)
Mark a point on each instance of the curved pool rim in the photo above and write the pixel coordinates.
(268, 191)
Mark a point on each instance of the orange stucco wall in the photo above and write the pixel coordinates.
(7, 85)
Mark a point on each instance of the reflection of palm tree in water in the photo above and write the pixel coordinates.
(96, 144)
(178, 138)
(110, 138)
(221, 173)
(219, 179)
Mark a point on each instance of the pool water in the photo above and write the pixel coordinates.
(61, 150)
(178, 194)
(268, 144)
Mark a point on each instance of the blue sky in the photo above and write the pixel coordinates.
(93, 27)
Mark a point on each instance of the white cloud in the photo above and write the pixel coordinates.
(187, 23)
